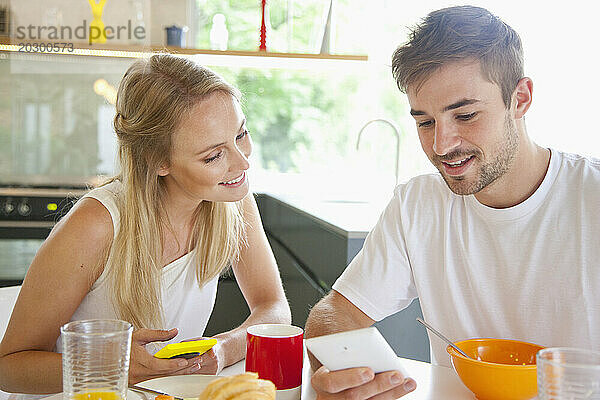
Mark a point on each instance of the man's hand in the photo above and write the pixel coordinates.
(144, 366)
(360, 383)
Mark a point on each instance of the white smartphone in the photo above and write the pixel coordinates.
(357, 348)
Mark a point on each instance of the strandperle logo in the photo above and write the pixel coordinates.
(93, 32)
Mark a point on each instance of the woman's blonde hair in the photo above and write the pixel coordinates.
(153, 97)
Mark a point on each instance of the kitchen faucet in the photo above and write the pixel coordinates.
(396, 132)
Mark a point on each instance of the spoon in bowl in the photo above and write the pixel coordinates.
(444, 338)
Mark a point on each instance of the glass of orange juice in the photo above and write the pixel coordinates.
(95, 359)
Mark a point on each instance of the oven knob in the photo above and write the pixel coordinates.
(8, 207)
(24, 209)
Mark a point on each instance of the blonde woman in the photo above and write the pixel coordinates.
(149, 246)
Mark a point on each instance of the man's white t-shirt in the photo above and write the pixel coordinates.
(529, 272)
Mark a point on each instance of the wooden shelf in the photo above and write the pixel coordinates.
(134, 51)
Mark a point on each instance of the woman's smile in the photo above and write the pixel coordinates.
(235, 182)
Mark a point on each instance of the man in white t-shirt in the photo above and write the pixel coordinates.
(504, 242)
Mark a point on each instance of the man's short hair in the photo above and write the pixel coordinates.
(456, 34)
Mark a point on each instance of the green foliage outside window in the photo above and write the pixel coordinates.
(285, 110)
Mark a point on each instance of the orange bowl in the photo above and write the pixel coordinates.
(502, 369)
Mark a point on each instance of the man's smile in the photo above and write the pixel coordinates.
(457, 167)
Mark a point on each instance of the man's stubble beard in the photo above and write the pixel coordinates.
(488, 173)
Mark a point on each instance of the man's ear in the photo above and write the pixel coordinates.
(522, 97)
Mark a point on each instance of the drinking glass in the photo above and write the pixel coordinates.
(568, 374)
(95, 359)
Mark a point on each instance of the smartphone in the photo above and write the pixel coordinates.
(186, 349)
(357, 348)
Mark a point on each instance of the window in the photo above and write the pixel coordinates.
(305, 121)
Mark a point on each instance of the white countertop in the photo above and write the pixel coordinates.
(345, 208)
(350, 218)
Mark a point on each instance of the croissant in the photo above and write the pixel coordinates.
(239, 387)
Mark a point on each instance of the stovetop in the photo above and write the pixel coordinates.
(40, 198)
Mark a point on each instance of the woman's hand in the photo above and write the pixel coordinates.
(144, 366)
(211, 362)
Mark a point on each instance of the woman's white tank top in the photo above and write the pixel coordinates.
(186, 306)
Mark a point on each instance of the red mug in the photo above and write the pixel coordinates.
(275, 352)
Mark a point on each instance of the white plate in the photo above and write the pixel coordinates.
(179, 385)
(190, 386)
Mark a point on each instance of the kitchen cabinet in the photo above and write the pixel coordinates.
(302, 287)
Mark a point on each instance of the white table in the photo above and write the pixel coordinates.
(433, 382)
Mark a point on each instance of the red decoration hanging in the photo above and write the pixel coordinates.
(263, 27)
